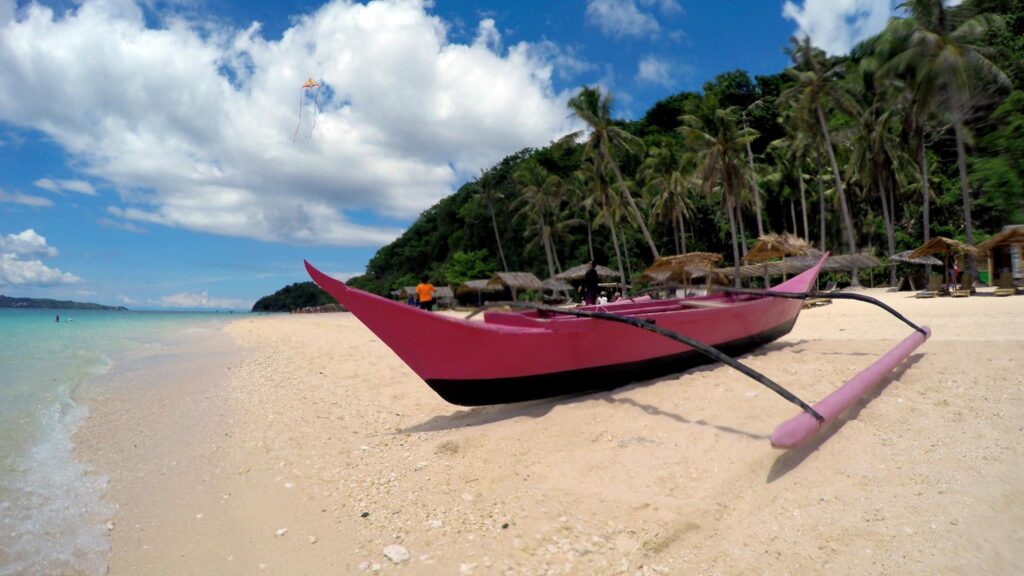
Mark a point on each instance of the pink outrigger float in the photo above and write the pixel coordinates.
(527, 355)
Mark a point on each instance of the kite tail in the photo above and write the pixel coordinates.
(316, 96)
(302, 94)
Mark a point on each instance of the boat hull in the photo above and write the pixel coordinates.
(512, 357)
(588, 380)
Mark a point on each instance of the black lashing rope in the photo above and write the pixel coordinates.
(837, 295)
(650, 326)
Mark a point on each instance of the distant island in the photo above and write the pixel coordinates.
(298, 296)
(11, 302)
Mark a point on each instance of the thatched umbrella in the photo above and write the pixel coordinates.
(679, 269)
(905, 258)
(517, 281)
(576, 273)
(772, 246)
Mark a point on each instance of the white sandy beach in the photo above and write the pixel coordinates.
(313, 448)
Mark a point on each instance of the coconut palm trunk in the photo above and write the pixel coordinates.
(803, 204)
(633, 207)
(821, 205)
(961, 161)
(682, 233)
(735, 245)
(615, 243)
(847, 220)
(753, 185)
(497, 237)
(890, 232)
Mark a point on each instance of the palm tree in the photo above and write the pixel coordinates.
(486, 191)
(604, 141)
(814, 86)
(607, 202)
(535, 204)
(790, 154)
(720, 144)
(946, 59)
(753, 176)
(665, 184)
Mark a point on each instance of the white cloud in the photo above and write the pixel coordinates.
(24, 199)
(202, 300)
(666, 7)
(836, 26)
(122, 225)
(654, 71)
(192, 123)
(621, 18)
(17, 271)
(60, 186)
(26, 243)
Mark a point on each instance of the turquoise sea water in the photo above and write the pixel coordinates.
(52, 514)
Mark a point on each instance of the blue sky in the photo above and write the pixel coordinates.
(146, 148)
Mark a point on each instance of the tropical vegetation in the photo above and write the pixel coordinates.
(918, 132)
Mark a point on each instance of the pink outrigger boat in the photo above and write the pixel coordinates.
(533, 354)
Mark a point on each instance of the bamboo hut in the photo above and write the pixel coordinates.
(1006, 253)
(771, 246)
(516, 281)
(907, 282)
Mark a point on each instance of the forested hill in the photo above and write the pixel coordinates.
(855, 153)
(294, 297)
(13, 302)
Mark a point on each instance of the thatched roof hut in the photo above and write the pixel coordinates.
(476, 287)
(517, 281)
(576, 273)
(772, 246)
(1009, 236)
(945, 246)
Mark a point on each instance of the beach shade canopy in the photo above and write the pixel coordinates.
(945, 246)
(772, 246)
(679, 269)
(476, 287)
(517, 281)
(1011, 236)
(905, 258)
(576, 273)
(794, 266)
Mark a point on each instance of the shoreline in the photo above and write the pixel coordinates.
(316, 423)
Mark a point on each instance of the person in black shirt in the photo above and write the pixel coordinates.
(590, 287)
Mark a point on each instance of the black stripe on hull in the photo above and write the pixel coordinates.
(523, 388)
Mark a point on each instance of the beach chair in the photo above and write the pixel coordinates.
(965, 289)
(934, 286)
(1005, 286)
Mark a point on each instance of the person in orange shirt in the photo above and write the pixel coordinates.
(425, 294)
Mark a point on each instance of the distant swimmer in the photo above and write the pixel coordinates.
(58, 318)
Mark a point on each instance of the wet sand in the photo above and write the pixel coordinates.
(313, 450)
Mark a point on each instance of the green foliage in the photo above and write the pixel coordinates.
(463, 266)
(294, 297)
(592, 182)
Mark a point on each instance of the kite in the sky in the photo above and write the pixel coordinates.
(311, 89)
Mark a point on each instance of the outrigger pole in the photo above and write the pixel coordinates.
(697, 345)
(798, 429)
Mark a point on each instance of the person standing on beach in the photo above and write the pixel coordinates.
(425, 294)
(590, 284)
